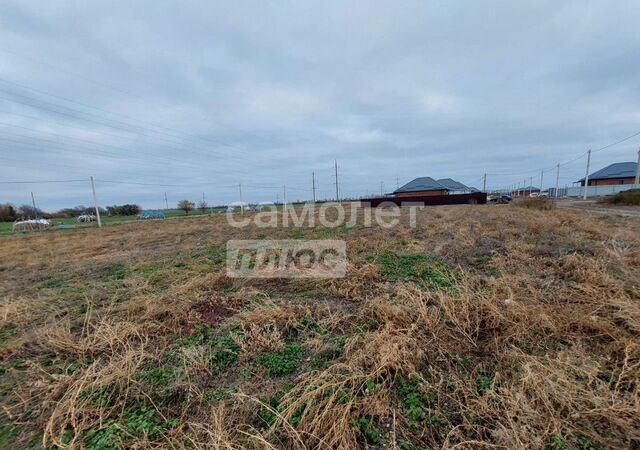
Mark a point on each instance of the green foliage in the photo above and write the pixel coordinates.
(583, 443)
(123, 210)
(558, 443)
(421, 268)
(405, 445)
(283, 362)
(52, 283)
(630, 197)
(8, 434)
(414, 402)
(372, 434)
(156, 375)
(484, 382)
(223, 352)
(7, 332)
(140, 421)
(99, 396)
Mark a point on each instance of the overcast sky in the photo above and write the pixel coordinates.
(205, 95)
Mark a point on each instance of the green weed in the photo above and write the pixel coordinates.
(420, 268)
(283, 362)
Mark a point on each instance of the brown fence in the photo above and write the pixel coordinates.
(476, 198)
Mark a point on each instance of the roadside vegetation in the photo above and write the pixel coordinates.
(625, 198)
(482, 327)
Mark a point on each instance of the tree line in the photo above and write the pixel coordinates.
(11, 213)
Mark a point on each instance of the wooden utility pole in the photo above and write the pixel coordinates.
(95, 203)
(557, 179)
(241, 203)
(166, 202)
(484, 183)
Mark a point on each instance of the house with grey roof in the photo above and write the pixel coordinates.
(455, 187)
(423, 186)
(616, 173)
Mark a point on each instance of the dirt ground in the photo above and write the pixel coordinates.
(482, 327)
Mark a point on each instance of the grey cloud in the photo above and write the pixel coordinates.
(209, 95)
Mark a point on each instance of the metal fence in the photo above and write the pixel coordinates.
(594, 191)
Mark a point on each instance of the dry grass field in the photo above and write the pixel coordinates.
(483, 327)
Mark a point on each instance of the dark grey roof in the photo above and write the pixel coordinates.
(453, 184)
(422, 184)
(615, 170)
(528, 188)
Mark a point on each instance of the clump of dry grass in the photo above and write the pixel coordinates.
(539, 203)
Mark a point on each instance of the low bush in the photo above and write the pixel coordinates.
(630, 198)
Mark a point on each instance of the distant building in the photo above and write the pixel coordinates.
(526, 191)
(455, 187)
(423, 186)
(616, 173)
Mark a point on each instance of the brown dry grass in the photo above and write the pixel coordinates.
(524, 333)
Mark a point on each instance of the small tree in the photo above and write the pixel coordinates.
(202, 206)
(186, 206)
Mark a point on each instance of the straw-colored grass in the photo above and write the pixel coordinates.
(482, 327)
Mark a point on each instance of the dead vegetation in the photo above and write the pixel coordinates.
(483, 327)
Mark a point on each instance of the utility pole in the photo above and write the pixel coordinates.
(35, 210)
(336, 170)
(541, 178)
(313, 185)
(241, 203)
(166, 202)
(381, 188)
(557, 178)
(530, 185)
(637, 180)
(484, 183)
(586, 177)
(95, 202)
(284, 196)
(398, 182)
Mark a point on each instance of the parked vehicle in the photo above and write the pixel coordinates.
(499, 199)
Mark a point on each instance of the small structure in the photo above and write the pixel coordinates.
(31, 225)
(86, 218)
(421, 187)
(151, 215)
(616, 173)
(527, 191)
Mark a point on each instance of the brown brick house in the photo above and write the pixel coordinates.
(616, 173)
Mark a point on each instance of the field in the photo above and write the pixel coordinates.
(5, 227)
(482, 327)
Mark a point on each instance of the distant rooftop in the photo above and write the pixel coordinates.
(528, 188)
(615, 170)
(453, 184)
(422, 184)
